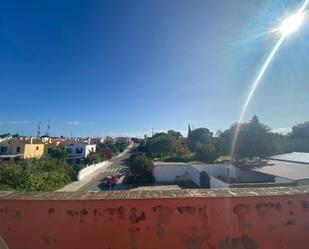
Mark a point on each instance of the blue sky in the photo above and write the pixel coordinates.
(124, 67)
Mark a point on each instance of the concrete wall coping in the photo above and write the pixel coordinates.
(155, 194)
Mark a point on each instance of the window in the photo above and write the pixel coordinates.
(69, 150)
(18, 150)
(49, 150)
(79, 150)
(37, 148)
(3, 149)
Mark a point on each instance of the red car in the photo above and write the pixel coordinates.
(110, 180)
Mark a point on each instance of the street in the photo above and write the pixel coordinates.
(118, 164)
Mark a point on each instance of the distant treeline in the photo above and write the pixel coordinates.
(255, 139)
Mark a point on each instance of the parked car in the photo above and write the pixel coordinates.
(110, 180)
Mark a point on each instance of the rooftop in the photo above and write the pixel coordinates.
(298, 157)
(285, 169)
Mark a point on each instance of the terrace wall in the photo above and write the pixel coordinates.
(192, 219)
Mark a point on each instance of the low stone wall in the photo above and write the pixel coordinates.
(184, 219)
(90, 169)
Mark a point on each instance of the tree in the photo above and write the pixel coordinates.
(105, 150)
(58, 153)
(5, 135)
(254, 139)
(93, 158)
(175, 134)
(281, 144)
(300, 131)
(141, 168)
(300, 137)
(161, 145)
(120, 146)
(200, 135)
(44, 174)
(182, 149)
(206, 152)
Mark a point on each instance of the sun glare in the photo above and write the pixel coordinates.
(291, 24)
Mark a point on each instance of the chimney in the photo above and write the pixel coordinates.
(31, 140)
(89, 140)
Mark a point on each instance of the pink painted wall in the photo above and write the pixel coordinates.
(191, 223)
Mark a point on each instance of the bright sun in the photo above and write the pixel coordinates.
(291, 24)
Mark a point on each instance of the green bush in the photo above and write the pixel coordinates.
(46, 174)
(183, 159)
(4, 187)
(93, 158)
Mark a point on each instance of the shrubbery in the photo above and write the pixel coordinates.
(93, 158)
(46, 174)
(109, 150)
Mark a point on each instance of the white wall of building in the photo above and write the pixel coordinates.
(195, 176)
(89, 148)
(216, 183)
(171, 172)
(217, 169)
(90, 169)
(76, 149)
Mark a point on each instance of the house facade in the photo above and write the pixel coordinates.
(78, 150)
(23, 148)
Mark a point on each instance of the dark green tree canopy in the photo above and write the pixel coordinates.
(200, 135)
(175, 134)
(141, 166)
(254, 139)
(58, 153)
(93, 158)
(162, 144)
(300, 131)
(4, 135)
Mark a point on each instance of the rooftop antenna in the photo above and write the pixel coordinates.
(39, 129)
(48, 128)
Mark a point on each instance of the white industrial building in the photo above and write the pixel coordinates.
(281, 170)
(209, 175)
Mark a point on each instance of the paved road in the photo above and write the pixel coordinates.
(117, 165)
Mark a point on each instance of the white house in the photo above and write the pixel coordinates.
(78, 150)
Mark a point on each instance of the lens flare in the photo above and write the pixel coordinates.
(291, 24)
(288, 26)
